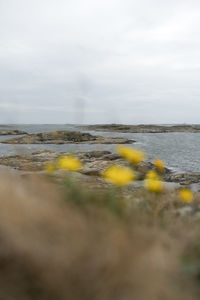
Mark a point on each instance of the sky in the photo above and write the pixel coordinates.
(100, 61)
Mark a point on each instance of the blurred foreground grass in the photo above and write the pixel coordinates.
(63, 240)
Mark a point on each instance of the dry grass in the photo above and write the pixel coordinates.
(50, 249)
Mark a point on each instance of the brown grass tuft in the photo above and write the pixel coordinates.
(50, 250)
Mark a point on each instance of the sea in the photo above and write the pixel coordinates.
(180, 151)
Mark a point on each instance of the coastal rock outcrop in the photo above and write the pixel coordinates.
(94, 163)
(12, 132)
(66, 137)
(184, 178)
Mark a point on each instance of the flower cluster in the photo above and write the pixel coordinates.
(152, 182)
(186, 195)
(159, 165)
(134, 156)
(119, 175)
(122, 176)
(154, 185)
(68, 162)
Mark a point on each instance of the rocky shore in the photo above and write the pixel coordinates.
(144, 128)
(12, 132)
(94, 163)
(66, 137)
(183, 178)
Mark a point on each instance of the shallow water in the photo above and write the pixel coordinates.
(181, 151)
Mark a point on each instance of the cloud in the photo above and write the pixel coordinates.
(129, 61)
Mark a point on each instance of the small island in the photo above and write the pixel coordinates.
(12, 132)
(66, 137)
(144, 128)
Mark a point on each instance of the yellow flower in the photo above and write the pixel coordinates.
(50, 168)
(186, 195)
(69, 163)
(154, 185)
(159, 164)
(119, 175)
(133, 155)
(152, 175)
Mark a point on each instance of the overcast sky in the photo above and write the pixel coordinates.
(99, 61)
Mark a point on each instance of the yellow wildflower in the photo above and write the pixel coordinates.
(186, 195)
(152, 175)
(119, 175)
(69, 163)
(154, 185)
(133, 155)
(50, 168)
(159, 164)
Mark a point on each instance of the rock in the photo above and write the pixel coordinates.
(189, 211)
(91, 172)
(111, 156)
(66, 137)
(94, 163)
(29, 162)
(143, 168)
(184, 211)
(143, 128)
(94, 154)
(183, 178)
(12, 132)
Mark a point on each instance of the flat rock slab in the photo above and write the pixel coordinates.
(144, 128)
(66, 137)
(184, 178)
(12, 132)
(94, 162)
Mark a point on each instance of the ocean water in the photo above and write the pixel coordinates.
(180, 151)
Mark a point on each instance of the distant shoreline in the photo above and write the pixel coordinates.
(120, 128)
(143, 128)
(100, 124)
(179, 150)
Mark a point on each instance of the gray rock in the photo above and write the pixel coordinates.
(111, 156)
(12, 132)
(183, 178)
(91, 172)
(184, 211)
(94, 163)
